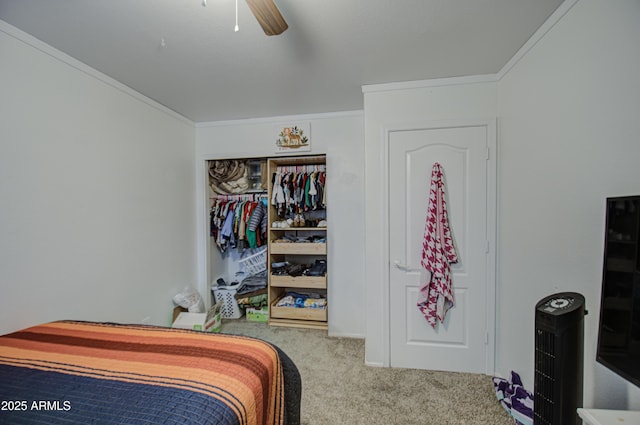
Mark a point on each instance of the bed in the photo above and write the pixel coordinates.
(104, 373)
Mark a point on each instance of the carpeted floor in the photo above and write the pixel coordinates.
(337, 387)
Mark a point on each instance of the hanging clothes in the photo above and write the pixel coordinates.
(257, 226)
(296, 190)
(438, 252)
(230, 222)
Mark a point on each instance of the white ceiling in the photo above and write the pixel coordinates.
(208, 72)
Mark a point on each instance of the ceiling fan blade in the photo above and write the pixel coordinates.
(268, 16)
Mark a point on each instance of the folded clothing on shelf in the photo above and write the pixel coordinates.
(302, 300)
(301, 239)
(284, 268)
(296, 269)
(253, 301)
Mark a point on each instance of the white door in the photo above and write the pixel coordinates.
(458, 344)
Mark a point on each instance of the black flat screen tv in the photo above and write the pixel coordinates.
(619, 327)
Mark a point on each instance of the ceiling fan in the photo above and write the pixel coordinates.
(267, 14)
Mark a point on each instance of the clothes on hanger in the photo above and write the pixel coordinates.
(238, 222)
(298, 189)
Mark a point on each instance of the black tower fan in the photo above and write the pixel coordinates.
(559, 360)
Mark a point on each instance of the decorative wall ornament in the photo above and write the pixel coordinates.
(293, 138)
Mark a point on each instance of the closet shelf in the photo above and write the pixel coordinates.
(309, 248)
(311, 282)
(312, 314)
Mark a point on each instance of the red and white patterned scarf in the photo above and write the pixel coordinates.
(438, 252)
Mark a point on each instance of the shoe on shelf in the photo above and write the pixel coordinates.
(319, 268)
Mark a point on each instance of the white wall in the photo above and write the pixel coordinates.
(340, 137)
(97, 199)
(449, 99)
(569, 137)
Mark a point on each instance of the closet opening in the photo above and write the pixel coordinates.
(267, 239)
(238, 203)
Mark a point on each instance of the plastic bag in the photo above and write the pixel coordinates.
(190, 299)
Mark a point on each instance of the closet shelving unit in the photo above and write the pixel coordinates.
(294, 253)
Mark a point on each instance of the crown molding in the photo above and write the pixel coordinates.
(284, 118)
(436, 82)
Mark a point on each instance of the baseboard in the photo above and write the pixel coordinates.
(345, 335)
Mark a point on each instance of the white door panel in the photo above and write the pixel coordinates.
(459, 343)
(454, 324)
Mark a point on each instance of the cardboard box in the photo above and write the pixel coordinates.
(205, 322)
(176, 312)
(257, 314)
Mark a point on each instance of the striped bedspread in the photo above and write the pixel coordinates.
(84, 373)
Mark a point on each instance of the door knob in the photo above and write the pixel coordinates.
(404, 267)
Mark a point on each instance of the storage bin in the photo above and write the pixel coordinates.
(258, 314)
(226, 295)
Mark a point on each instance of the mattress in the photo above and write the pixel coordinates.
(82, 373)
